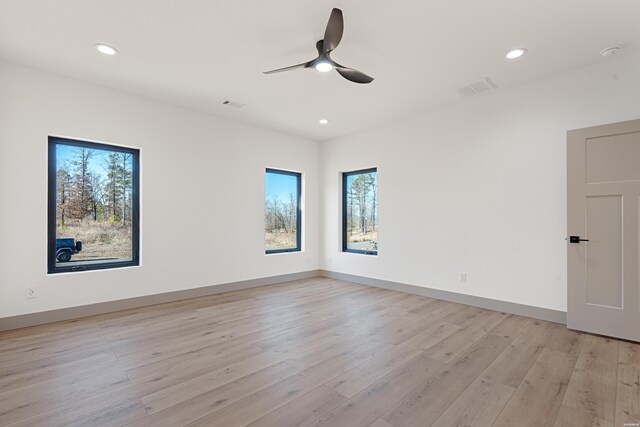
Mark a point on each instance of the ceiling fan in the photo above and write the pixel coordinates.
(324, 63)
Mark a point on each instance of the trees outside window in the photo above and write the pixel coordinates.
(93, 206)
(282, 214)
(360, 211)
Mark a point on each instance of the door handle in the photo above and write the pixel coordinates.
(577, 239)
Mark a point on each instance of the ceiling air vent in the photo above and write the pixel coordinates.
(475, 88)
(233, 104)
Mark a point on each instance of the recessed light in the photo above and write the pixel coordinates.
(323, 121)
(106, 49)
(516, 53)
(323, 67)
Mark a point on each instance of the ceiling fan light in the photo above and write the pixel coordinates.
(516, 53)
(106, 49)
(323, 67)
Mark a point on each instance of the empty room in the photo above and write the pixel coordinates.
(313, 213)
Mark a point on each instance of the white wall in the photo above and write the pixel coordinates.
(202, 192)
(478, 187)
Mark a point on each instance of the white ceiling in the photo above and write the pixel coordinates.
(197, 53)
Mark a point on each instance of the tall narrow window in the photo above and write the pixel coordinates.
(360, 211)
(282, 216)
(93, 214)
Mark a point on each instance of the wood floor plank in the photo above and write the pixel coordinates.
(50, 343)
(537, 399)
(301, 333)
(593, 384)
(200, 406)
(315, 356)
(381, 322)
(176, 346)
(485, 321)
(569, 417)
(357, 379)
(261, 403)
(33, 374)
(136, 352)
(211, 357)
(565, 340)
(538, 334)
(314, 352)
(514, 363)
(228, 313)
(171, 395)
(454, 344)
(437, 308)
(117, 407)
(411, 302)
(314, 342)
(628, 385)
(48, 332)
(462, 316)
(511, 325)
(265, 322)
(380, 423)
(425, 403)
(479, 405)
(212, 331)
(371, 403)
(27, 401)
(304, 410)
(93, 346)
(430, 336)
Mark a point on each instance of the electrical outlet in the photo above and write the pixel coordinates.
(31, 292)
(463, 278)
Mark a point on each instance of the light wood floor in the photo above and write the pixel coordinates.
(315, 352)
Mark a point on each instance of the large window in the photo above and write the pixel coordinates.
(93, 206)
(360, 211)
(282, 217)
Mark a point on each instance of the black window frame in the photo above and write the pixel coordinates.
(298, 176)
(345, 175)
(52, 268)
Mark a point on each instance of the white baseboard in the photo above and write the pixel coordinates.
(32, 319)
(547, 314)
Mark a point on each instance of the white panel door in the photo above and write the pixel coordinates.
(603, 187)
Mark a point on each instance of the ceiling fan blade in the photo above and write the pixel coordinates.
(333, 33)
(293, 67)
(353, 75)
